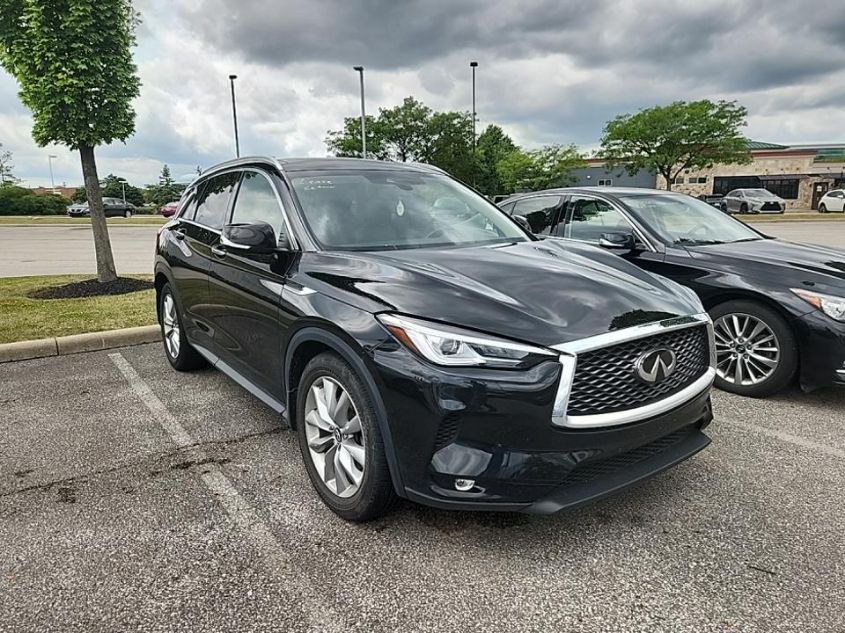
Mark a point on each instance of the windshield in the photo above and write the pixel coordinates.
(683, 220)
(758, 193)
(378, 210)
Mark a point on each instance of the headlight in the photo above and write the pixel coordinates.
(834, 307)
(455, 347)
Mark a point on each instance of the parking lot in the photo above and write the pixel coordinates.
(136, 498)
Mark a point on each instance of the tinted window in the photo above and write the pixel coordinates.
(256, 202)
(190, 208)
(387, 209)
(507, 208)
(214, 200)
(541, 213)
(588, 218)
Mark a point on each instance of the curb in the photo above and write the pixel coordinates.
(76, 343)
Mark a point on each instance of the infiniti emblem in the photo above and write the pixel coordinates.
(655, 365)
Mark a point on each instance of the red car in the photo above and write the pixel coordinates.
(169, 209)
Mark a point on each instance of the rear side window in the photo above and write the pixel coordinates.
(507, 208)
(213, 200)
(189, 208)
(541, 212)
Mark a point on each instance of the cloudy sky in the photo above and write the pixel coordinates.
(550, 71)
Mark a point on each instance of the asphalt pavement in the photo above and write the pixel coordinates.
(136, 498)
(53, 250)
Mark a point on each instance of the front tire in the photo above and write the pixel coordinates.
(180, 354)
(756, 353)
(822, 208)
(340, 440)
(743, 208)
(127, 214)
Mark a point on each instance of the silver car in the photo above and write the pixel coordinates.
(752, 201)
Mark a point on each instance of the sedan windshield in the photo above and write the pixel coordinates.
(680, 219)
(380, 209)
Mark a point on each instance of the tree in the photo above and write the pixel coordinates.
(347, 142)
(449, 144)
(165, 191)
(6, 167)
(550, 166)
(675, 137)
(515, 171)
(80, 195)
(406, 130)
(114, 187)
(493, 145)
(72, 59)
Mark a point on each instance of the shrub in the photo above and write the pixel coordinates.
(21, 201)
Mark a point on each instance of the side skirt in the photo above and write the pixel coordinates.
(277, 406)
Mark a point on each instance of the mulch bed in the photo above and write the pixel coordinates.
(92, 288)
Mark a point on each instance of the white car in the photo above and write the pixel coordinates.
(833, 200)
(752, 201)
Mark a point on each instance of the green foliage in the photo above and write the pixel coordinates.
(165, 191)
(73, 62)
(112, 187)
(675, 137)
(80, 195)
(20, 201)
(6, 167)
(412, 131)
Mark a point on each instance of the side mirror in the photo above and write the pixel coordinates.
(520, 219)
(618, 241)
(258, 238)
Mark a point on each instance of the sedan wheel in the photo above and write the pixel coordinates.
(756, 352)
(747, 351)
(335, 437)
(127, 214)
(170, 325)
(822, 209)
(179, 352)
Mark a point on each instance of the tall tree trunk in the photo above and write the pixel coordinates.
(668, 179)
(102, 245)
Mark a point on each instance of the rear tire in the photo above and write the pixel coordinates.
(743, 208)
(756, 338)
(180, 354)
(127, 214)
(822, 208)
(340, 440)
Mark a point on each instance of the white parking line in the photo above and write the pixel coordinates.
(785, 437)
(321, 616)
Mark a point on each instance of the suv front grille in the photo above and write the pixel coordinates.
(605, 379)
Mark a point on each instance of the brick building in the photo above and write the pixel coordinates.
(65, 192)
(800, 174)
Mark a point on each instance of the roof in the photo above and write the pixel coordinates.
(756, 145)
(608, 191)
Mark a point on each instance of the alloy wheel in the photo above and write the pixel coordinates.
(335, 436)
(747, 350)
(170, 324)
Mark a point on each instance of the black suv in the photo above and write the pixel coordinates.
(423, 344)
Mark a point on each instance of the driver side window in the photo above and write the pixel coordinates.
(256, 202)
(588, 218)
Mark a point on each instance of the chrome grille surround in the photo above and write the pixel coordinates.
(569, 365)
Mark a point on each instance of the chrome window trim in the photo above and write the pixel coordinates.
(200, 225)
(638, 232)
(569, 363)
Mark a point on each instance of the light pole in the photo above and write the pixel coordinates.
(235, 115)
(122, 182)
(360, 70)
(473, 66)
(50, 158)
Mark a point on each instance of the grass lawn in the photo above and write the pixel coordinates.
(63, 219)
(791, 217)
(24, 318)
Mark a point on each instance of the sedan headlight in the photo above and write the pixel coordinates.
(456, 347)
(834, 307)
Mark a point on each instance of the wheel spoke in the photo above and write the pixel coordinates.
(321, 444)
(339, 410)
(315, 419)
(352, 427)
(341, 477)
(322, 406)
(329, 467)
(356, 452)
(351, 472)
(768, 362)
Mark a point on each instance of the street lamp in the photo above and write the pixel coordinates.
(360, 70)
(122, 182)
(50, 158)
(473, 66)
(235, 115)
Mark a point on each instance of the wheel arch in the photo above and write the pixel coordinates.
(311, 341)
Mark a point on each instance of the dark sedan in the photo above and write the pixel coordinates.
(113, 207)
(778, 307)
(423, 345)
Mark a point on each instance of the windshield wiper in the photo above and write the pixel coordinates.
(690, 242)
(746, 239)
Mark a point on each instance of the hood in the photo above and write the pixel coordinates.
(795, 263)
(545, 292)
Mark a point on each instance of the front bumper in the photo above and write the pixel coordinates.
(821, 342)
(496, 428)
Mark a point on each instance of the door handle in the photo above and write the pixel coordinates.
(219, 251)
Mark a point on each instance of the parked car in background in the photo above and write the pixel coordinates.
(423, 345)
(833, 201)
(113, 207)
(167, 210)
(713, 199)
(752, 201)
(778, 307)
